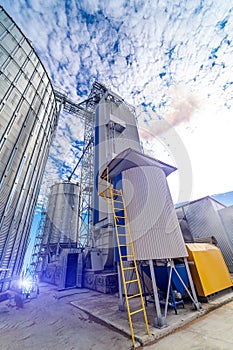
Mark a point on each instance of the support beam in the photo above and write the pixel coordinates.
(122, 303)
(161, 321)
(197, 305)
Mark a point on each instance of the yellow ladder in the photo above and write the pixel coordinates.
(116, 201)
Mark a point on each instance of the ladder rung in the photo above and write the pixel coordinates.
(129, 268)
(116, 191)
(123, 230)
(131, 281)
(136, 311)
(102, 193)
(134, 296)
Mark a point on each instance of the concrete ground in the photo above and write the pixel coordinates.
(211, 332)
(83, 319)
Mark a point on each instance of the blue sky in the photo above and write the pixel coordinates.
(171, 59)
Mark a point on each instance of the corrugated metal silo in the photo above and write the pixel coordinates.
(61, 225)
(28, 118)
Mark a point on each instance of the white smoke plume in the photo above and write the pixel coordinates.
(183, 105)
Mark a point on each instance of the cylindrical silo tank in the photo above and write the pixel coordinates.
(28, 118)
(61, 225)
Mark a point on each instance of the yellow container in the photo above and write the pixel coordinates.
(209, 271)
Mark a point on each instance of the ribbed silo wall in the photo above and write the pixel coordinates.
(204, 221)
(152, 218)
(28, 120)
(61, 225)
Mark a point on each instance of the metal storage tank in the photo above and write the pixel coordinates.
(115, 131)
(61, 224)
(28, 118)
(202, 217)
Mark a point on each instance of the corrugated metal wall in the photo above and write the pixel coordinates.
(152, 218)
(226, 215)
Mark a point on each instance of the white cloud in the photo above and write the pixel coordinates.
(143, 50)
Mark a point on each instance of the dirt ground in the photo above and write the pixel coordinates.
(51, 322)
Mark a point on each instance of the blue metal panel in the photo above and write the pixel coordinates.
(120, 212)
(162, 276)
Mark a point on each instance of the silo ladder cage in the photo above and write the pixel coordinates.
(115, 200)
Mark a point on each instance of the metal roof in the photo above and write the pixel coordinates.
(131, 158)
(184, 204)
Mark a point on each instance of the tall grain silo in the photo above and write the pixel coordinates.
(28, 118)
(61, 225)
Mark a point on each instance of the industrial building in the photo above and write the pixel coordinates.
(203, 220)
(28, 119)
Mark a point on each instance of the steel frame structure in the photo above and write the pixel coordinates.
(37, 253)
(85, 111)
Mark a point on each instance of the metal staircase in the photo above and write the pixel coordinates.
(115, 199)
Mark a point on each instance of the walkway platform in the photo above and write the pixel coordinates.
(104, 308)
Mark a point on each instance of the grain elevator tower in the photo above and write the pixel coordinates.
(115, 131)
